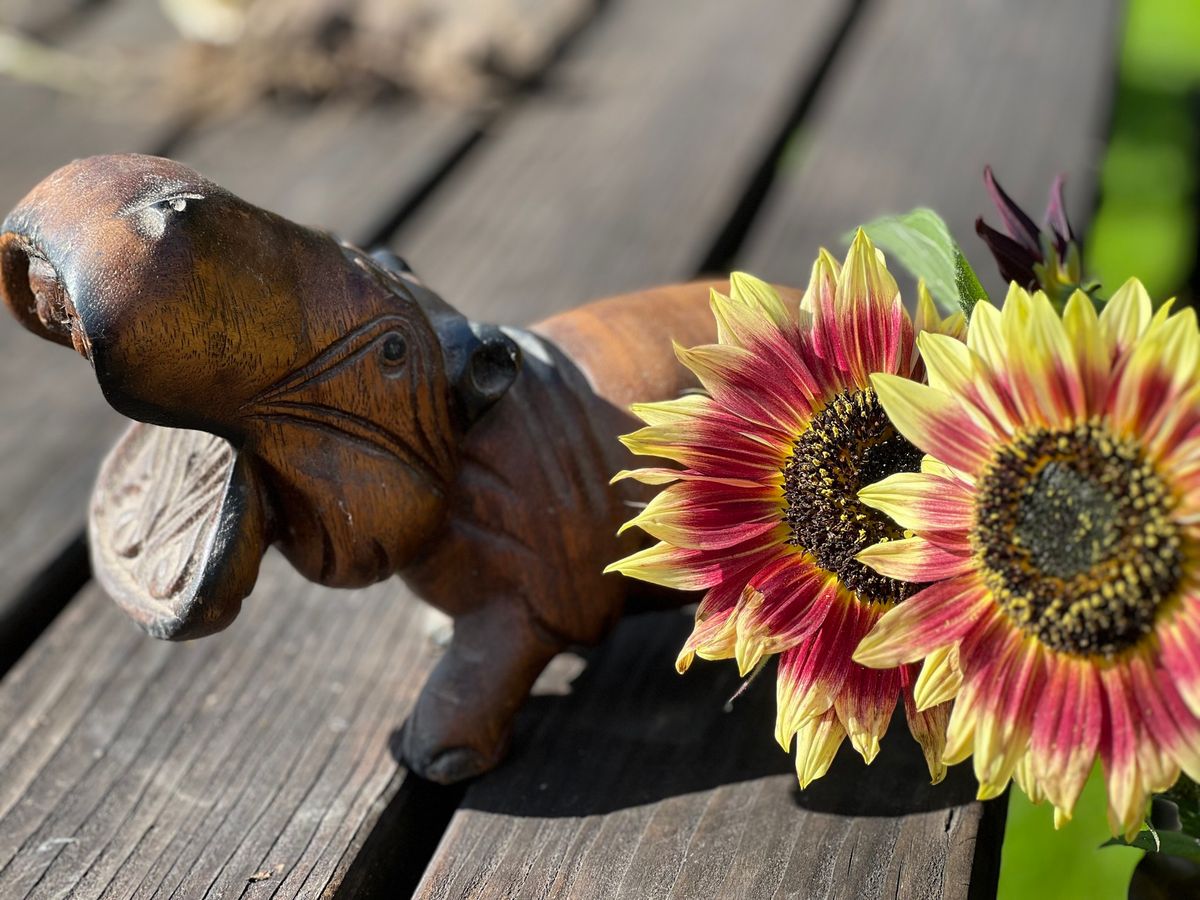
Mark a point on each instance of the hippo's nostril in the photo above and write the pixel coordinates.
(31, 288)
(53, 304)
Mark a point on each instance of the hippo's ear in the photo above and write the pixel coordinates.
(491, 368)
(177, 528)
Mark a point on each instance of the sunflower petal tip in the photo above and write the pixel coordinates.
(989, 791)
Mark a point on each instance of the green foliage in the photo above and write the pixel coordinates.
(1186, 797)
(1173, 843)
(1067, 864)
(1146, 223)
(922, 243)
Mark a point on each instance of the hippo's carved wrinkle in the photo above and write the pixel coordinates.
(293, 390)
(385, 349)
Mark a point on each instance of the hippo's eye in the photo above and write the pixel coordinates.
(392, 351)
(151, 216)
(176, 203)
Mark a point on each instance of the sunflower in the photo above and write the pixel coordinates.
(763, 514)
(1058, 517)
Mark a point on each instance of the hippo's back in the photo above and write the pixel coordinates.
(623, 344)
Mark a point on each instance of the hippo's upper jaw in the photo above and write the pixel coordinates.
(341, 388)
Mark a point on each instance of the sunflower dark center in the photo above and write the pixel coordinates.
(847, 445)
(1077, 540)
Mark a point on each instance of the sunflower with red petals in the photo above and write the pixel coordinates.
(1058, 517)
(763, 513)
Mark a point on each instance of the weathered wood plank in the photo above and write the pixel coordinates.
(349, 167)
(622, 170)
(361, 164)
(130, 767)
(925, 94)
(638, 785)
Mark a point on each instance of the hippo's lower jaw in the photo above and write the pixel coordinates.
(177, 528)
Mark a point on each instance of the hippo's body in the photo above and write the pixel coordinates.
(360, 423)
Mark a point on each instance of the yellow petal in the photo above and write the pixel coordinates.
(817, 742)
(756, 293)
(659, 564)
(1126, 315)
(822, 283)
(934, 421)
(1023, 776)
(667, 412)
(864, 277)
(985, 337)
(940, 678)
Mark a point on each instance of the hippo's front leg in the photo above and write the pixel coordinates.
(461, 724)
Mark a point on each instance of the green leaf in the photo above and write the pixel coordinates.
(1185, 794)
(970, 291)
(1172, 843)
(922, 243)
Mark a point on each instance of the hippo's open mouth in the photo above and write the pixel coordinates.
(37, 289)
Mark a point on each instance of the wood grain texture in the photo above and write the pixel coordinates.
(926, 93)
(349, 166)
(183, 770)
(621, 170)
(638, 785)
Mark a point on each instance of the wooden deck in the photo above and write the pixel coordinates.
(660, 139)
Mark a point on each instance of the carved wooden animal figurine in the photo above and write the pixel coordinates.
(323, 400)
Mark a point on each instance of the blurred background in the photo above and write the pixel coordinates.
(528, 155)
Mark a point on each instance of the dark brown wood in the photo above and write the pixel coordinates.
(348, 168)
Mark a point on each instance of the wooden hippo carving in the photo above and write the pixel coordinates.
(290, 389)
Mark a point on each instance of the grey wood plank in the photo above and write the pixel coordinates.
(131, 767)
(639, 785)
(349, 167)
(620, 172)
(924, 95)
